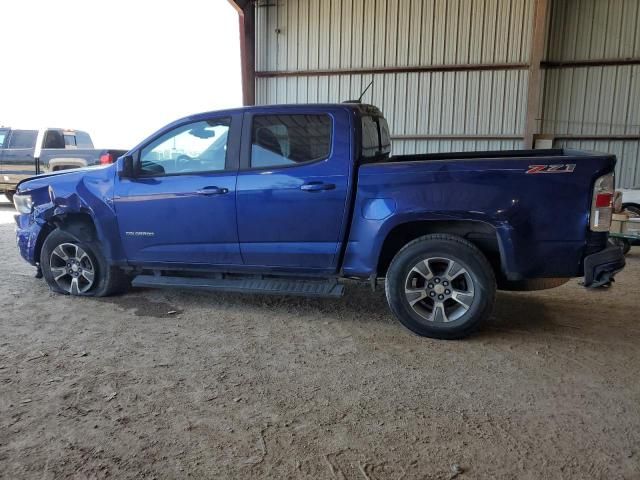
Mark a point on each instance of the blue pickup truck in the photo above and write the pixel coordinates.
(295, 199)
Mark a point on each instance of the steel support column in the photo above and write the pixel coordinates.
(247, 25)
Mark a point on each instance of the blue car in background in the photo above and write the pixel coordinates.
(293, 199)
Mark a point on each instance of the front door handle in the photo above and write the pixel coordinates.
(212, 191)
(316, 186)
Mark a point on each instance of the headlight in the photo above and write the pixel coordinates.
(23, 203)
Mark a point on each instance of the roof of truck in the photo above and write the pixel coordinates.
(353, 107)
(363, 108)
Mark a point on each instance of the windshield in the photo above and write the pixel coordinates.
(3, 136)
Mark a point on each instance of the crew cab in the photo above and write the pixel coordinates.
(24, 153)
(294, 199)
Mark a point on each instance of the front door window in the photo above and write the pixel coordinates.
(193, 148)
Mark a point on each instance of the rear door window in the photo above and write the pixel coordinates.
(286, 140)
(3, 136)
(69, 140)
(23, 138)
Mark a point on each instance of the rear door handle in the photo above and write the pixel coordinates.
(316, 186)
(212, 191)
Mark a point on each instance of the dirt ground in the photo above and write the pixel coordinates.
(169, 384)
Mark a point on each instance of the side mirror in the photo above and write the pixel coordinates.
(127, 167)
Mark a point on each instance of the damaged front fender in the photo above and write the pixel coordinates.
(80, 202)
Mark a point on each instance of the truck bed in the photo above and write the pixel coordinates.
(536, 200)
(490, 155)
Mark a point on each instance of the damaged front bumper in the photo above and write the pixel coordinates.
(27, 233)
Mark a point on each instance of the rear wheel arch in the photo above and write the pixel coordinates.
(482, 235)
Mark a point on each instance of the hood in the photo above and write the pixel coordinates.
(46, 179)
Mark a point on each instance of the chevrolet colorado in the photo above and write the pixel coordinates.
(293, 199)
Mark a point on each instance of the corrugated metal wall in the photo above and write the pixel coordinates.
(303, 35)
(477, 109)
(599, 101)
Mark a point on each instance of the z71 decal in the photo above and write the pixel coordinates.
(559, 168)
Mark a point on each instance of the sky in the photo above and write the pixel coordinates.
(119, 69)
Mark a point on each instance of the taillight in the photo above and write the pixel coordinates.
(106, 159)
(602, 203)
(604, 200)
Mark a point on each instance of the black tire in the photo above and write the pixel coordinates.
(477, 272)
(623, 243)
(631, 207)
(9, 196)
(107, 280)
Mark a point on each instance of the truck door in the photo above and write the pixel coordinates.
(180, 209)
(293, 188)
(18, 160)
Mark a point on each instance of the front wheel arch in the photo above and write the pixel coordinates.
(79, 225)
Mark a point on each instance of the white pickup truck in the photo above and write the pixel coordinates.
(631, 198)
(25, 153)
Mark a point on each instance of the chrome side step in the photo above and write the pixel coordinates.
(277, 286)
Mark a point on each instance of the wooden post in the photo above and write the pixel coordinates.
(536, 54)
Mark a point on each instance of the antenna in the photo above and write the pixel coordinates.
(365, 91)
(359, 100)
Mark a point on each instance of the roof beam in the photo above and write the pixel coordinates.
(239, 5)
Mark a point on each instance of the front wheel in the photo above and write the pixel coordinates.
(75, 267)
(440, 286)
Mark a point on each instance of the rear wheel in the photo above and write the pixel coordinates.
(623, 243)
(440, 286)
(632, 208)
(75, 267)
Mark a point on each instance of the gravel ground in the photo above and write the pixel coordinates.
(161, 384)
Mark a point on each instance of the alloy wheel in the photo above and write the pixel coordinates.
(72, 268)
(439, 289)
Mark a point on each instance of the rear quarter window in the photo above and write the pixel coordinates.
(376, 140)
(370, 140)
(83, 140)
